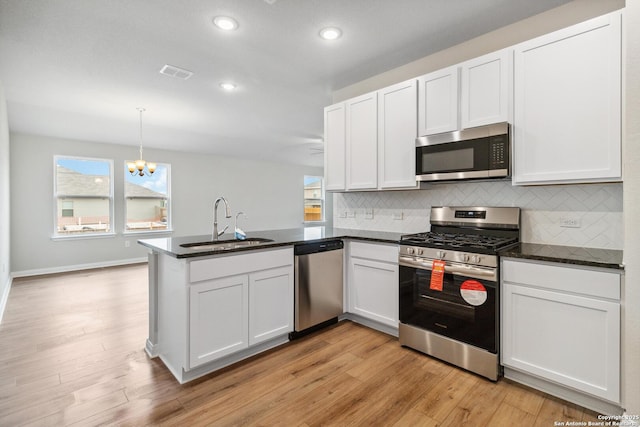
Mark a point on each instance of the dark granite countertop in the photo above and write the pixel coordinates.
(592, 257)
(287, 237)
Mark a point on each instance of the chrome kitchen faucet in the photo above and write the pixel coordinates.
(216, 234)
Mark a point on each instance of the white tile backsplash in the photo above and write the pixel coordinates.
(597, 207)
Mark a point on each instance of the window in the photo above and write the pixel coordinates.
(83, 196)
(313, 198)
(67, 208)
(147, 200)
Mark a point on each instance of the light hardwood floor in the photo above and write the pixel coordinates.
(71, 353)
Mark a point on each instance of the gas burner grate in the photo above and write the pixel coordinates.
(458, 241)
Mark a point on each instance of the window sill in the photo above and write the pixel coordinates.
(146, 232)
(84, 236)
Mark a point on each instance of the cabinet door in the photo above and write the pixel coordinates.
(270, 304)
(438, 101)
(218, 318)
(397, 132)
(568, 339)
(484, 86)
(362, 142)
(334, 147)
(373, 290)
(567, 114)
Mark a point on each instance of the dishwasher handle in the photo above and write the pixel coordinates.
(315, 247)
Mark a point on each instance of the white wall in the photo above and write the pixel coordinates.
(5, 278)
(270, 194)
(543, 23)
(631, 308)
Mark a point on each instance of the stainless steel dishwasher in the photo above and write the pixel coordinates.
(318, 285)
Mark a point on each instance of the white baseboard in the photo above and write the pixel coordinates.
(588, 401)
(151, 349)
(76, 267)
(4, 297)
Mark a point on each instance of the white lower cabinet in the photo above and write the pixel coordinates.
(372, 282)
(562, 324)
(230, 314)
(270, 304)
(219, 310)
(213, 304)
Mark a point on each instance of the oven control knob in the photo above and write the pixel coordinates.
(465, 258)
(420, 251)
(441, 254)
(475, 258)
(410, 251)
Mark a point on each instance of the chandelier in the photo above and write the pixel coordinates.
(140, 167)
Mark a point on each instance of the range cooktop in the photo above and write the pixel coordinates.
(463, 241)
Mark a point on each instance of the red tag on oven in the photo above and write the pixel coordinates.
(437, 275)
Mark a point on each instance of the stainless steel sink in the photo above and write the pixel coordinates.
(225, 245)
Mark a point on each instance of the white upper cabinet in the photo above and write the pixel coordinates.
(438, 101)
(334, 147)
(397, 131)
(362, 142)
(370, 140)
(567, 105)
(484, 89)
(466, 95)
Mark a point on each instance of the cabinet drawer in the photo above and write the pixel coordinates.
(562, 278)
(379, 252)
(232, 264)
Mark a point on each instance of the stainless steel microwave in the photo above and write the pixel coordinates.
(476, 153)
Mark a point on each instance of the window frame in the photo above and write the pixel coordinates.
(56, 196)
(169, 228)
(322, 198)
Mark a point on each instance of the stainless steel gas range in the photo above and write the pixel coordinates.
(449, 293)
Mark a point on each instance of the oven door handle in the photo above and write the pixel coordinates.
(467, 271)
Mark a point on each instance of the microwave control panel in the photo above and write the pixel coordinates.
(499, 152)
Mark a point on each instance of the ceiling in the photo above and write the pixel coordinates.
(78, 69)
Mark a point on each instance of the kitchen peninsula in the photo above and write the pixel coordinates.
(246, 290)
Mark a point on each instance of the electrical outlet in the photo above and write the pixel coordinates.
(397, 216)
(368, 213)
(351, 214)
(127, 243)
(570, 222)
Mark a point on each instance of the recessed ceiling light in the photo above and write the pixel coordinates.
(331, 33)
(225, 23)
(227, 86)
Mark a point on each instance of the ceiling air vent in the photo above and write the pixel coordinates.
(173, 71)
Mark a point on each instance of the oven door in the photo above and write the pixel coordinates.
(451, 304)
